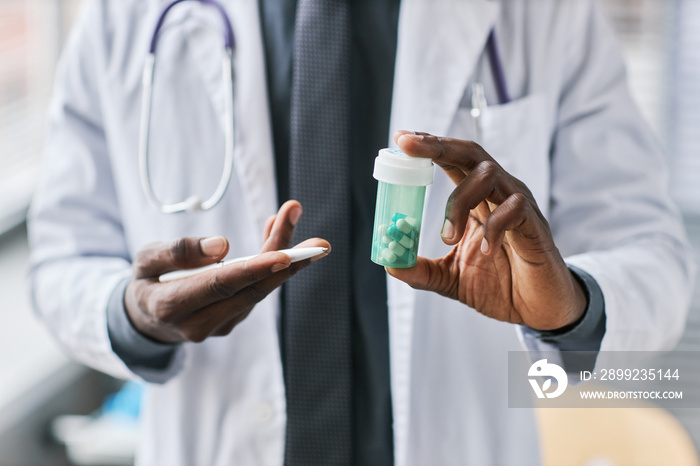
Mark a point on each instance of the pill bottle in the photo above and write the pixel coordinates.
(399, 211)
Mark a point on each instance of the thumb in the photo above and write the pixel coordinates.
(425, 275)
(183, 253)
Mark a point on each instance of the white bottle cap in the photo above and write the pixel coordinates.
(394, 167)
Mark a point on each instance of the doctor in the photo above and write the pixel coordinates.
(559, 221)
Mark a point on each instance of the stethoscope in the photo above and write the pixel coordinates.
(194, 203)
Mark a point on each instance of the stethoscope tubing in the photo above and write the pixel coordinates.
(229, 38)
(192, 203)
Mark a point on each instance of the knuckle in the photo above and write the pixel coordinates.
(162, 314)
(138, 262)
(519, 201)
(144, 256)
(441, 148)
(219, 287)
(487, 168)
(473, 146)
(256, 293)
(180, 249)
(161, 308)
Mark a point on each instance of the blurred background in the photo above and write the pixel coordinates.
(661, 41)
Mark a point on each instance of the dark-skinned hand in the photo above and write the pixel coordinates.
(211, 303)
(504, 262)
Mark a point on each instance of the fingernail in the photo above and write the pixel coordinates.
(399, 134)
(448, 230)
(485, 246)
(214, 246)
(414, 137)
(279, 266)
(294, 216)
(321, 256)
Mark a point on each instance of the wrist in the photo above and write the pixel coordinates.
(139, 320)
(566, 310)
(581, 298)
(579, 304)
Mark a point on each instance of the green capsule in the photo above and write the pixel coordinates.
(397, 216)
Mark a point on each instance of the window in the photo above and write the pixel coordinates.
(31, 37)
(661, 42)
(643, 32)
(684, 123)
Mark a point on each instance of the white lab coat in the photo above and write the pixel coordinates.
(571, 133)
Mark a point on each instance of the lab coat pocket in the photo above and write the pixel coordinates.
(518, 136)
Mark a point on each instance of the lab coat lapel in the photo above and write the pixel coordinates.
(432, 74)
(206, 48)
(253, 155)
(430, 80)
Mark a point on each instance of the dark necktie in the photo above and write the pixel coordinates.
(317, 316)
